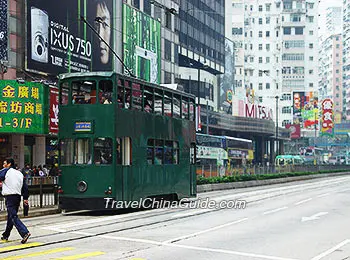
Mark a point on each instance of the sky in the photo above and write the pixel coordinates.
(324, 4)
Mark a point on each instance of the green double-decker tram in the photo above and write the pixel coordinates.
(124, 139)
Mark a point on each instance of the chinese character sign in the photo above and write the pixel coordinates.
(21, 107)
(327, 117)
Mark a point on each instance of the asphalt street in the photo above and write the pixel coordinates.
(299, 220)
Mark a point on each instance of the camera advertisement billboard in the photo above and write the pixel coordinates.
(141, 44)
(3, 30)
(58, 41)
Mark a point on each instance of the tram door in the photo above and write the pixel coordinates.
(123, 168)
(193, 174)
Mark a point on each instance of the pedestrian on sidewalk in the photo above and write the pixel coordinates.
(12, 188)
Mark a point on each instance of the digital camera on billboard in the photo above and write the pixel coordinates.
(40, 34)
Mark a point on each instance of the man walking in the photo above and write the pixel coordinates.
(12, 188)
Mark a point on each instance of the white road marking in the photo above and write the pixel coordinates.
(230, 252)
(313, 217)
(303, 201)
(205, 231)
(191, 213)
(331, 250)
(153, 242)
(323, 195)
(274, 210)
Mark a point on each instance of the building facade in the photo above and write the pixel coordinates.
(280, 52)
(346, 55)
(330, 72)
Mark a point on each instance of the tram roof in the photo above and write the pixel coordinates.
(110, 74)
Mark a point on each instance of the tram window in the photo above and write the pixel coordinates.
(127, 94)
(64, 92)
(193, 153)
(159, 149)
(176, 106)
(105, 94)
(168, 152)
(176, 153)
(84, 92)
(148, 99)
(158, 102)
(184, 109)
(66, 151)
(136, 96)
(82, 151)
(167, 104)
(150, 151)
(191, 111)
(103, 151)
(120, 94)
(124, 151)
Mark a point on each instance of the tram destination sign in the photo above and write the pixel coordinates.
(22, 107)
(85, 127)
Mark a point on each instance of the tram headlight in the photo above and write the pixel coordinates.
(82, 186)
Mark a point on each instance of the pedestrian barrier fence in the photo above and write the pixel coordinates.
(42, 193)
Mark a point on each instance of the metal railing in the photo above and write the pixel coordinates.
(215, 171)
(42, 193)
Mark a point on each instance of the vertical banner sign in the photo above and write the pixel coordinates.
(3, 30)
(327, 128)
(141, 44)
(53, 117)
(22, 107)
(298, 104)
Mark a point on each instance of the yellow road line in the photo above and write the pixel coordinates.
(73, 257)
(11, 248)
(46, 252)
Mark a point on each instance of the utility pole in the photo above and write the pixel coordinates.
(277, 143)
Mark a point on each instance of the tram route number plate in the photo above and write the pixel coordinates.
(83, 127)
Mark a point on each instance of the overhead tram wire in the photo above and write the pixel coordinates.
(98, 19)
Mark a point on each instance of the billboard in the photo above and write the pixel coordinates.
(141, 44)
(59, 42)
(227, 79)
(305, 109)
(327, 117)
(22, 107)
(295, 131)
(53, 111)
(3, 30)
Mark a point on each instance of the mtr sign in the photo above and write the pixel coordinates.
(21, 107)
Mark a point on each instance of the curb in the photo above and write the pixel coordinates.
(34, 213)
(246, 184)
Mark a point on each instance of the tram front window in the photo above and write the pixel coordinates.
(66, 151)
(82, 151)
(103, 151)
(84, 92)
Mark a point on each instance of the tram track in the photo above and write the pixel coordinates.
(265, 195)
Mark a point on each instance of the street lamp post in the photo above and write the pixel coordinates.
(277, 144)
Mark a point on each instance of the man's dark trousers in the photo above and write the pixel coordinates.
(12, 205)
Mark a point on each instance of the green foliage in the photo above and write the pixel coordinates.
(251, 177)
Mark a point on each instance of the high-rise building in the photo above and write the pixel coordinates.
(330, 71)
(346, 55)
(202, 48)
(334, 20)
(280, 51)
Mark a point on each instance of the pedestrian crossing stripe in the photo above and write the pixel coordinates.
(11, 248)
(73, 257)
(46, 252)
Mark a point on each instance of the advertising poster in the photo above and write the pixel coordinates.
(58, 41)
(305, 109)
(227, 79)
(3, 30)
(295, 131)
(22, 107)
(141, 44)
(327, 128)
(53, 116)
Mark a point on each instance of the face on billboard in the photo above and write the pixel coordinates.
(104, 30)
(59, 42)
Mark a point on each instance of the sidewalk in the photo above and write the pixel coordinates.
(33, 212)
